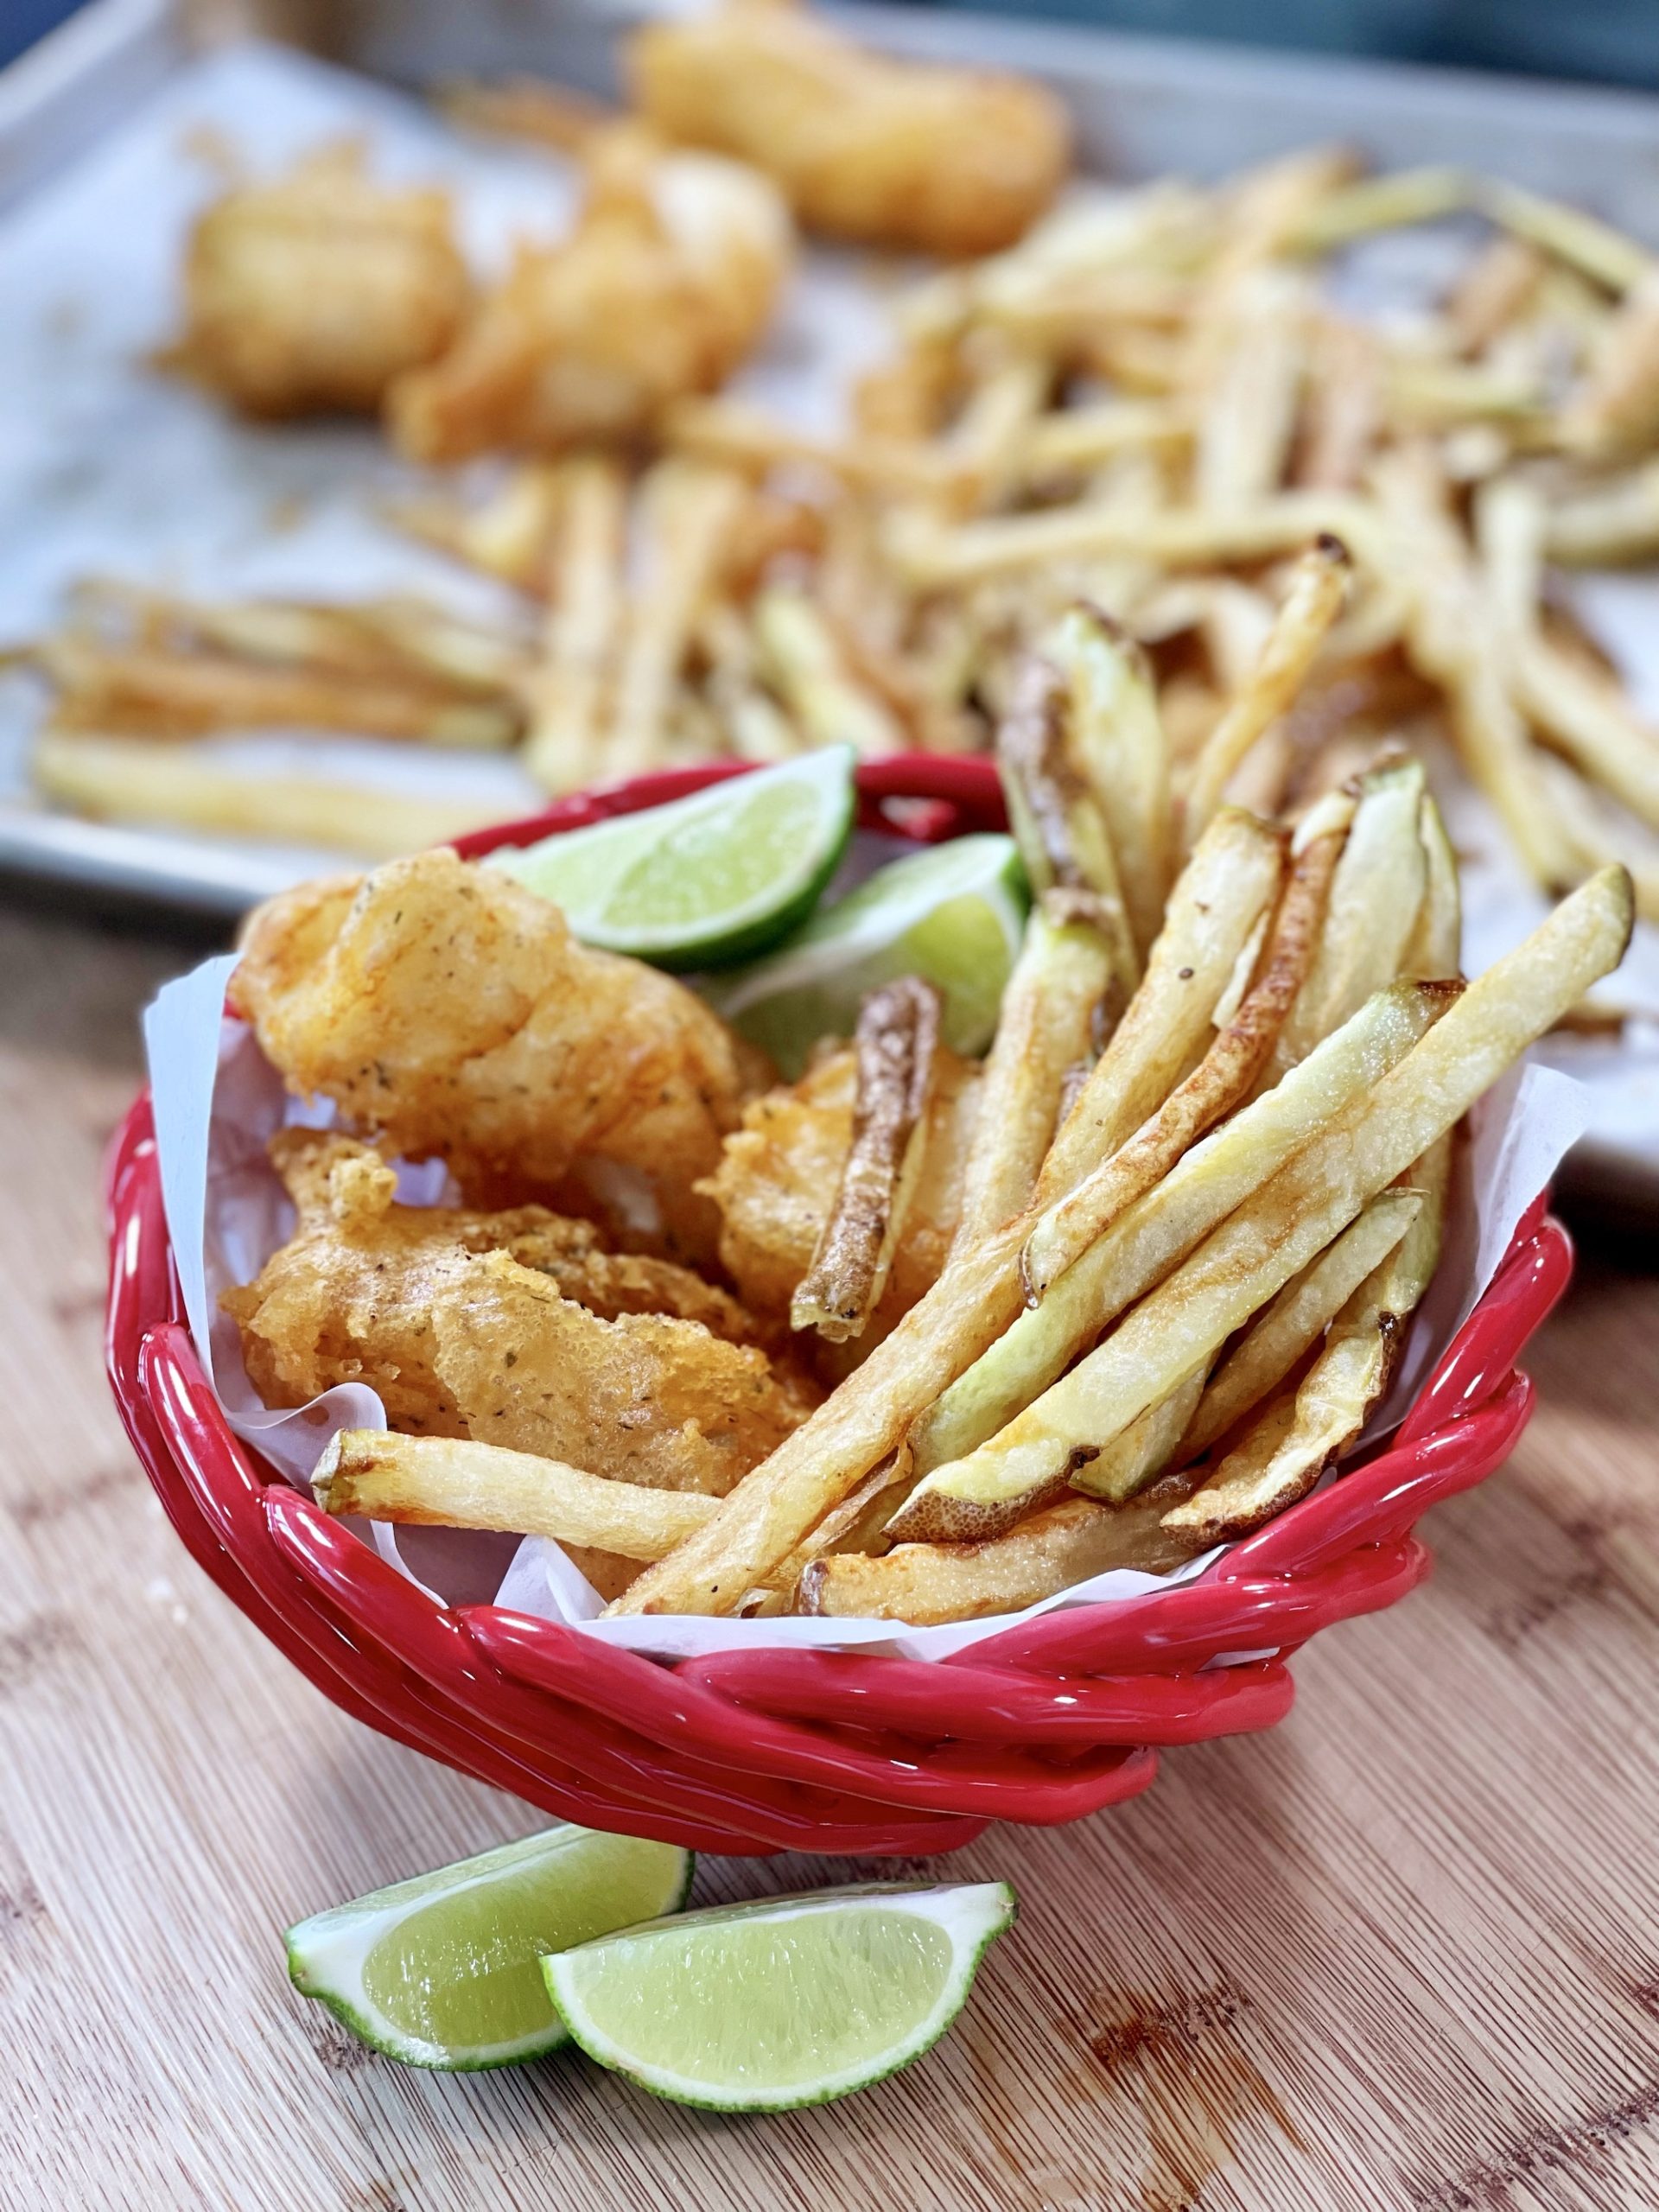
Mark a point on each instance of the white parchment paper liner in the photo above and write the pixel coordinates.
(218, 1101)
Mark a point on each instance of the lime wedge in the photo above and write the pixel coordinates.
(954, 915)
(442, 1971)
(788, 2001)
(712, 878)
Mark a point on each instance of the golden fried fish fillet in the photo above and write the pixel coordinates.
(516, 1327)
(450, 1013)
(888, 152)
(663, 288)
(777, 1178)
(312, 293)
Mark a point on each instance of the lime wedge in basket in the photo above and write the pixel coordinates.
(714, 877)
(787, 2001)
(442, 1970)
(953, 914)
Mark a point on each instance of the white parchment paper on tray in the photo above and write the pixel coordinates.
(109, 467)
(218, 1101)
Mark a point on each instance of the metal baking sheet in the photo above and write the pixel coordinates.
(105, 465)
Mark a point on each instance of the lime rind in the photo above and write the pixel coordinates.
(970, 1915)
(708, 879)
(329, 1954)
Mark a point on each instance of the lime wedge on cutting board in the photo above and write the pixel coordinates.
(711, 878)
(443, 1970)
(786, 2001)
(953, 914)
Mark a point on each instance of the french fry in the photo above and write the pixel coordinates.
(1233, 877)
(1250, 1258)
(169, 694)
(1046, 1028)
(1608, 524)
(454, 1483)
(1592, 725)
(508, 536)
(1074, 438)
(1312, 605)
(1058, 824)
(1249, 415)
(896, 1043)
(568, 692)
(1156, 1233)
(1383, 203)
(1221, 1079)
(804, 663)
(728, 433)
(1146, 1446)
(925, 1584)
(1496, 288)
(1116, 740)
(1343, 407)
(857, 1524)
(1435, 951)
(986, 443)
(1297, 1318)
(685, 511)
(751, 723)
(1580, 240)
(140, 779)
(1376, 892)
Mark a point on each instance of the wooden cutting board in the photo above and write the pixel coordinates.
(1401, 1953)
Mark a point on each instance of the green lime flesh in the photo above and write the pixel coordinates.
(953, 915)
(443, 1971)
(787, 2001)
(706, 880)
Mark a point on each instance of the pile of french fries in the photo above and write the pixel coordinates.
(1185, 1256)
(1148, 404)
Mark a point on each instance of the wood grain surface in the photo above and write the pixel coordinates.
(1404, 1952)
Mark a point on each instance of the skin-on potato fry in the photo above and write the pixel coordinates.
(1117, 743)
(1221, 1079)
(1044, 1031)
(1218, 1174)
(315, 291)
(458, 1483)
(452, 1012)
(866, 147)
(1233, 878)
(663, 286)
(1146, 1447)
(1059, 825)
(896, 1047)
(1318, 592)
(1377, 894)
(1297, 1318)
(923, 1584)
(148, 781)
(1250, 1258)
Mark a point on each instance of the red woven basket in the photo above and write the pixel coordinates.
(755, 1752)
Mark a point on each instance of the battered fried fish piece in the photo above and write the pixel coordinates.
(450, 1013)
(777, 1178)
(887, 152)
(312, 293)
(516, 1327)
(663, 286)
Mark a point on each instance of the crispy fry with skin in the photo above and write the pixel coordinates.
(1318, 592)
(451, 1011)
(865, 146)
(1297, 1318)
(1059, 825)
(1045, 1031)
(1150, 1443)
(779, 1172)
(665, 283)
(1233, 877)
(315, 292)
(1221, 1079)
(1250, 1258)
(1159, 1230)
(896, 1047)
(1116, 740)
(458, 1483)
(924, 1583)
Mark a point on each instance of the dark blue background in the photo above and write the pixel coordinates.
(1615, 39)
